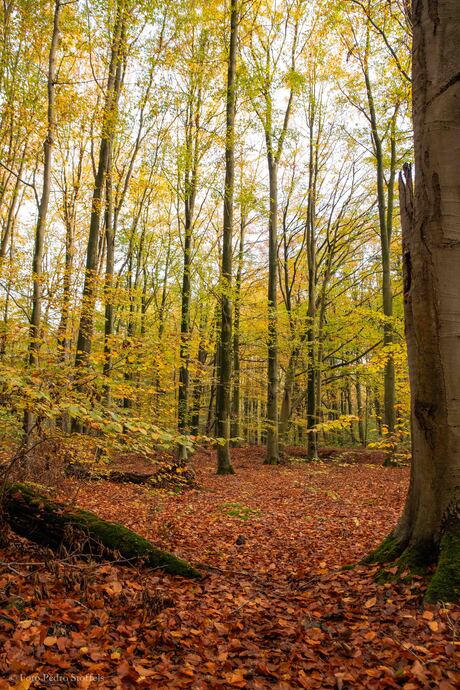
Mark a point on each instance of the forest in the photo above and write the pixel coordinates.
(229, 344)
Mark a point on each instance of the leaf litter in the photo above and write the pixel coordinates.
(275, 608)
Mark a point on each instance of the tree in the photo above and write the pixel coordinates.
(381, 104)
(40, 230)
(188, 174)
(266, 55)
(429, 529)
(223, 399)
(114, 84)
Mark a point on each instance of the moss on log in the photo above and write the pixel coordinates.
(45, 522)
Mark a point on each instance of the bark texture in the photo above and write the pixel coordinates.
(429, 529)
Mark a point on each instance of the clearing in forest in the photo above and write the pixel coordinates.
(275, 608)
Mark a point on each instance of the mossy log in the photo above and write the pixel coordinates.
(52, 524)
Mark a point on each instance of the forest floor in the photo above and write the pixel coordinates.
(274, 610)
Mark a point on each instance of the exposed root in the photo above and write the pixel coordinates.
(389, 550)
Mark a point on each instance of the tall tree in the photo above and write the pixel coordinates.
(40, 230)
(223, 397)
(266, 58)
(429, 529)
(189, 183)
(382, 42)
(109, 116)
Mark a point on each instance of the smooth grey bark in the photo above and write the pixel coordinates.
(272, 457)
(429, 528)
(360, 411)
(161, 328)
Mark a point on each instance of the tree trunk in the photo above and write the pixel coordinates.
(236, 388)
(286, 403)
(39, 519)
(272, 457)
(107, 136)
(199, 385)
(360, 411)
(385, 212)
(109, 271)
(429, 528)
(40, 230)
(223, 397)
(312, 453)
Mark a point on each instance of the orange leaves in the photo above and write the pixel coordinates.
(370, 603)
(236, 678)
(274, 611)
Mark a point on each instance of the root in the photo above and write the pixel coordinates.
(389, 550)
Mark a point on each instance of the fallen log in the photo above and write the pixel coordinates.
(162, 478)
(34, 516)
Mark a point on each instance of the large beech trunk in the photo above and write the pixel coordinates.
(429, 529)
(45, 522)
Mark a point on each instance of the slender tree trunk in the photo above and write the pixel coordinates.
(4, 243)
(9, 285)
(312, 452)
(236, 388)
(185, 333)
(272, 457)
(62, 335)
(40, 230)
(429, 528)
(199, 385)
(360, 411)
(286, 403)
(385, 211)
(223, 399)
(92, 254)
(109, 272)
(161, 328)
(192, 156)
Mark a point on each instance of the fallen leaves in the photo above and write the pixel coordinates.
(275, 610)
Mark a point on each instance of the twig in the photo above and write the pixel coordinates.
(241, 606)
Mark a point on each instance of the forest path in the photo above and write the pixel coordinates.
(274, 610)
